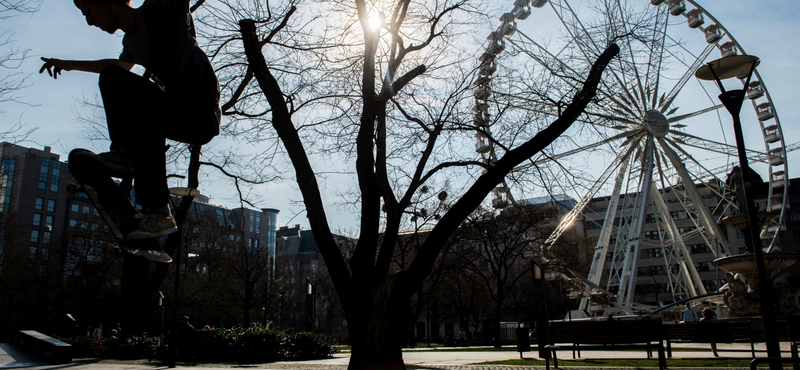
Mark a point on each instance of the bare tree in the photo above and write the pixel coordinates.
(492, 249)
(11, 58)
(393, 102)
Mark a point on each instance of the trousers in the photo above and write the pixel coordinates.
(141, 115)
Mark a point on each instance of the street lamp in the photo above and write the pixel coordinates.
(310, 319)
(539, 288)
(743, 66)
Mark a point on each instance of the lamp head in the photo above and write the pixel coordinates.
(727, 67)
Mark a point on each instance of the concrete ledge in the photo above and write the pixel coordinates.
(52, 350)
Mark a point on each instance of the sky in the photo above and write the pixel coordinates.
(766, 28)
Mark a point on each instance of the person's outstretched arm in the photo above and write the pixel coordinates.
(55, 66)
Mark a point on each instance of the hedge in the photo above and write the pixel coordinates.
(216, 345)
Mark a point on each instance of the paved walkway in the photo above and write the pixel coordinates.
(11, 358)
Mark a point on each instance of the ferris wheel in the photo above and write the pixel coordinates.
(648, 160)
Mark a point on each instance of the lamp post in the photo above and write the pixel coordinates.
(718, 70)
(310, 306)
(542, 330)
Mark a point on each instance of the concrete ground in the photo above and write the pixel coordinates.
(11, 357)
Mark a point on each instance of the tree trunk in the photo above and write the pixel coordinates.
(376, 327)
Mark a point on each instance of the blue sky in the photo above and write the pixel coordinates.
(766, 28)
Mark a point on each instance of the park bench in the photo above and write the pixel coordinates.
(722, 332)
(606, 335)
(52, 350)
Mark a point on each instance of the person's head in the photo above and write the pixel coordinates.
(688, 305)
(102, 14)
(709, 312)
(185, 319)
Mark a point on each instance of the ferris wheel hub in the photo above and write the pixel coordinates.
(656, 123)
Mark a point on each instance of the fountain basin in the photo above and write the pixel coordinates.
(745, 264)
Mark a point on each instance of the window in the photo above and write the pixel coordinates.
(252, 222)
(48, 221)
(596, 224)
(700, 248)
(75, 207)
(73, 223)
(51, 205)
(33, 252)
(794, 216)
(651, 270)
(34, 236)
(37, 219)
(679, 215)
(258, 222)
(712, 285)
(56, 175)
(650, 218)
(46, 237)
(43, 173)
(704, 266)
(39, 203)
(652, 253)
(685, 230)
(651, 235)
(7, 174)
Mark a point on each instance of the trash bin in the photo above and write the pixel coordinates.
(523, 344)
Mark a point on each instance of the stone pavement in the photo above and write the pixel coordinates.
(10, 358)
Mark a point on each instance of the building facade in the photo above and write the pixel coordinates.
(50, 239)
(653, 274)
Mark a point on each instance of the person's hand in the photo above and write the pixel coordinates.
(54, 66)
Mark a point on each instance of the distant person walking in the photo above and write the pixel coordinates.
(98, 331)
(709, 317)
(185, 339)
(689, 314)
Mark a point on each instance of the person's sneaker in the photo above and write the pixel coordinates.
(117, 160)
(154, 224)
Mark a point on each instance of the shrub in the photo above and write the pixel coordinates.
(217, 345)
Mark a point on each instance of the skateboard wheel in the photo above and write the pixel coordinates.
(112, 251)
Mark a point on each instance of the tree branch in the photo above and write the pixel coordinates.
(431, 247)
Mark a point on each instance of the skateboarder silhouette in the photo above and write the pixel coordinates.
(180, 103)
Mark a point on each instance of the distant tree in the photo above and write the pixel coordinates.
(492, 247)
(11, 58)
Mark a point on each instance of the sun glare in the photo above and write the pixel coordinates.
(375, 21)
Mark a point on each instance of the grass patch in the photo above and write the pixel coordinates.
(614, 363)
(463, 349)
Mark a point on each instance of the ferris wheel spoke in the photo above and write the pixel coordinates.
(657, 52)
(574, 26)
(700, 171)
(685, 78)
(568, 153)
(590, 194)
(691, 189)
(694, 114)
(627, 32)
(713, 146)
(572, 81)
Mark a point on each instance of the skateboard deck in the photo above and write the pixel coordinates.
(116, 210)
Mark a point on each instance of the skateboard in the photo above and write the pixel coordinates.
(114, 207)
